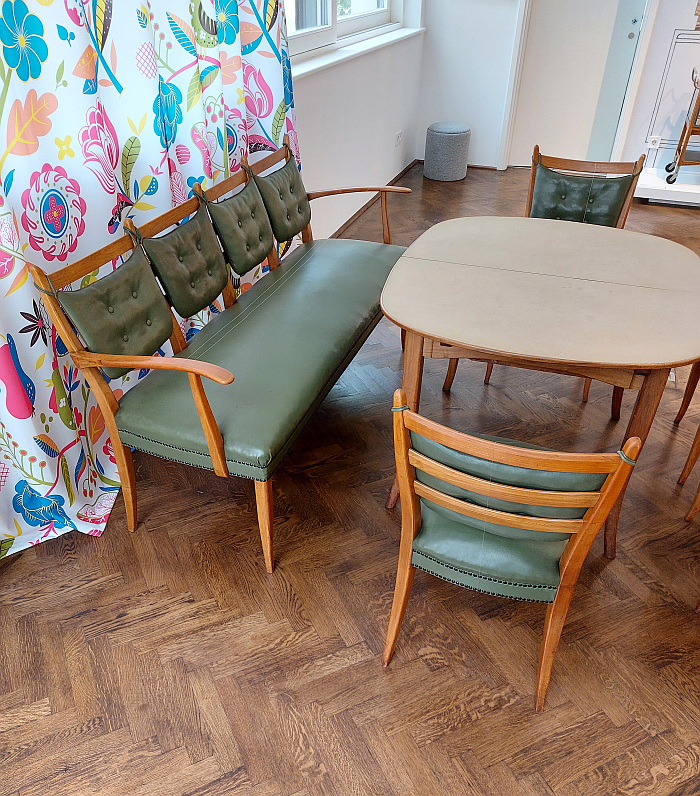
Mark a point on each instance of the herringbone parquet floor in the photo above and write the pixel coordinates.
(166, 662)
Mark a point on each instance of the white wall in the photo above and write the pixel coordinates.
(347, 119)
(466, 64)
(565, 56)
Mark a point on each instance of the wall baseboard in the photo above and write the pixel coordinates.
(374, 199)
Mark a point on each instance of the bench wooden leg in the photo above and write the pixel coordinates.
(263, 500)
(586, 389)
(450, 377)
(125, 467)
(487, 376)
(693, 379)
(616, 405)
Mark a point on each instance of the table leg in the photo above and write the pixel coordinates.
(642, 417)
(411, 384)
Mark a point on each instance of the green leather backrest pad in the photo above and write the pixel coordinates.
(285, 199)
(504, 474)
(570, 197)
(244, 229)
(123, 313)
(189, 263)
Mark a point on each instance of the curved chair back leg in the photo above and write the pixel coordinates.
(553, 625)
(693, 379)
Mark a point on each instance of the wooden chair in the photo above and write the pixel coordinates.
(563, 189)
(500, 517)
(694, 454)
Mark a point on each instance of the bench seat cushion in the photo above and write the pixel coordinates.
(286, 341)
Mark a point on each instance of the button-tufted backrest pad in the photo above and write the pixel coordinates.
(123, 313)
(285, 198)
(244, 229)
(189, 263)
(571, 197)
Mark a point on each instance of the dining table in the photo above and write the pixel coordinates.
(617, 306)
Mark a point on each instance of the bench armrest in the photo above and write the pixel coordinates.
(382, 190)
(86, 359)
(195, 370)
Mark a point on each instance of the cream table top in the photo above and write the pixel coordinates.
(550, 291)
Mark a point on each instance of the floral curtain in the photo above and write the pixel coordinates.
(110, 111)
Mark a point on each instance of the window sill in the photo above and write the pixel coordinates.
(310, 63)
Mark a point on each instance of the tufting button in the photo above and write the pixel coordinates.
(558, 218)
(260, 238)
(240, 223)
(563, 196)
(149, 322)
(134, 294)
(298, 210)
(291, 189)
(209, 271)
(199, 247)
(110, 309)
(180, 259)
(192, 284)
(590, 201)
(281, 197)
(288, 217)
(247, 247)
(125, 338)
(252, 213)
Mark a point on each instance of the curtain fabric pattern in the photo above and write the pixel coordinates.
(110, 110)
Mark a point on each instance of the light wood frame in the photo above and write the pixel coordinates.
(584, 531)
(578, 167)
(90, 362)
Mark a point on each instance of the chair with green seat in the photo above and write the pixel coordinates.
(582, 191)
(500, 517)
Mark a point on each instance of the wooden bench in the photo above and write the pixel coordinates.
(287, 339)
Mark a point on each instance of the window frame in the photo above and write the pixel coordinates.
(340, 32)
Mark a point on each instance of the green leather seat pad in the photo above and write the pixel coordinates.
(522, 569)
(286, 340)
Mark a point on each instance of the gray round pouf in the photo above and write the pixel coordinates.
(446, 150)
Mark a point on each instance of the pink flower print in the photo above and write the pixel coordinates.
(53, 212)
(178, 191)
(108, 451)
(146, 60)
(9, 240)
(293, 140)
(258, 97)
(98, 140)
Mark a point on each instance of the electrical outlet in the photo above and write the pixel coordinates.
(654, 143)
(399, 138)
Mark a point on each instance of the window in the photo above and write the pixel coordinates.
(318, 23)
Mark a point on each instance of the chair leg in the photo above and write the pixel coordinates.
(263, 500)
(402, 591)
(693, 379)
(553, 625)
(618, 392)
(586, 389)
(692, 458)
(487, 375)
(450, 377)
(694, 508)
(125, 467)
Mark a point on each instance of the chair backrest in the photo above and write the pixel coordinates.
(511, 490)
(582, 190)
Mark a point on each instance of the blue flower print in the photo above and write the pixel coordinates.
(37, 510)
(287, 78)
(22, 36)
(227, 20)
(167, 111)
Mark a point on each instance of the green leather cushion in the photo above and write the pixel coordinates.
(571, 197)
(190, 264)
(286, 340)
(122, 313)
(285, 198)
(497, 559)
(242, 224)
(523, 569)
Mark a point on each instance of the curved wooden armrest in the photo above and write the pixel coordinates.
(374, 189)
(86, 359)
